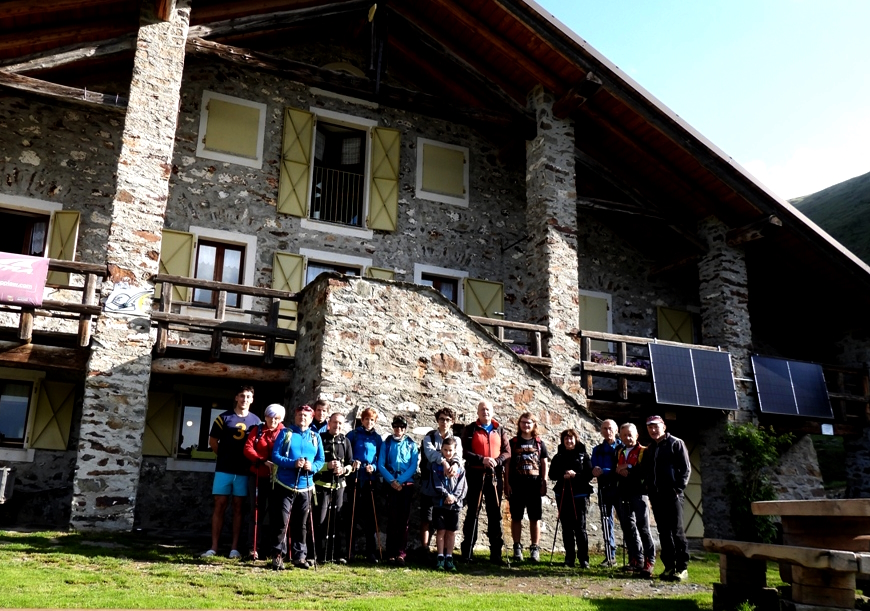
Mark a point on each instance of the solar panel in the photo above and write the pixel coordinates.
(687, 376)
(791, 387)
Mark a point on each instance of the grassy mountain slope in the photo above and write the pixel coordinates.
(842, 210)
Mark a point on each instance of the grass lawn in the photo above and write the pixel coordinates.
(74, 570)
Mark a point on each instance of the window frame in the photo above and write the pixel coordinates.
(443, 198)
(333, 258)
(221, 248)
(203, 152)
(421, 269)
(35, 207)
(352, 122)
(24, 453)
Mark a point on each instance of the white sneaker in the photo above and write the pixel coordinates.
(208, 554)
(235, 554)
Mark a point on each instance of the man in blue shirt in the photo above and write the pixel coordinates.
(604, 461)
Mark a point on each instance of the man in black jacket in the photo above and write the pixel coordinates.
(329, 485)
(666, 470)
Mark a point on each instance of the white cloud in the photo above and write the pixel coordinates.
(844, 153)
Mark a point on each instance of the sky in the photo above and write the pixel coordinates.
(782, 86)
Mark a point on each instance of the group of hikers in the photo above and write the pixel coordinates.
(319, 487)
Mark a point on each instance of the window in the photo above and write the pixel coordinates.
(221, 263)
(339, 173)
(15, 397)
(595, 315)
(319, 261)
(23, 233)
(442, 172)
(231, 129)
(678, 325)
(316, 268)
(446, 281)
(197, 415)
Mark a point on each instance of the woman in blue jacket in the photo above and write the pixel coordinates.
(397, 464)
(366, 443)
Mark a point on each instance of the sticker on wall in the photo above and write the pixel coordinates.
(129, 300)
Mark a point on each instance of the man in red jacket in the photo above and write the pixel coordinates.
(486, 449)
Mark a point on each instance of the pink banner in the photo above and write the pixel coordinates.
(22, 279)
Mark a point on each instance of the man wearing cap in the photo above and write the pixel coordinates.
(298, 454)
(397, 463)
(666, 471)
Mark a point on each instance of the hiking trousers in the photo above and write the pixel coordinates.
(634, 519)
(490, 485)
(667, 507)
(290, 512)
(573, 518)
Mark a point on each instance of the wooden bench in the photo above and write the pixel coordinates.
(819, 577)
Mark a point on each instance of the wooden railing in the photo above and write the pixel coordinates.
(219, 327)
(535, 335)
(83, 310)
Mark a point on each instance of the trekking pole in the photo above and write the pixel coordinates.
(503, 539)
(558, 519)
(605, 520)
(476, 521)
(375, 514)
(331, 533)
(290, 514)
(311, 523)
(352, 514)
(256, 513)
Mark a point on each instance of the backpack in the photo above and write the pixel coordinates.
(522, 463)
(285, 448)
(424, 462)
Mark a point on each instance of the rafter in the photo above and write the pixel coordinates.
(594, 203)
(70, 94)
(72, 54)
(577, 96)
(362, 88)
(752, 231)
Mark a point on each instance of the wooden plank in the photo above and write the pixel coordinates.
(170, 366)
(809, 557)
(76, 308)
(508, 324)
(752, 231)
(818, 508)
(70, 94)
(632, 372)
(217, 335)
(631, 339)
(25, 325)
(77, 267)
(163, 327)
(621, 380)
(254, 291)
(536, 360)
(823, 579)
(89, 297)
(736, 570)
(258, 331)
(825, 597)
(43, 357)
(72, 54)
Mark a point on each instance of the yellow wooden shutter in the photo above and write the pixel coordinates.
(232, 128)
(484, 298)
(159, 436)
(443, 170)
(379, 272)
(52, 416)
(295, 162)
(693, 513)
(384, 194)
(676, 326)
(595, 316)
(288, 274)
(176, 259)
(62, 242)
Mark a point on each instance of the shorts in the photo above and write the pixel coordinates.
(425, 508)
(226, 484)
(445, 519)
(526, 497)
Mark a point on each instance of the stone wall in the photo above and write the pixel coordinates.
(797, 475)
(42, 490)
(179, 501)
(404, 349)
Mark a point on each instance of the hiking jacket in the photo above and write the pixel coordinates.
(604, 456)
(292, 444)
(576, 460)
(258, 448)
(397, 460)
(335, 447)
(365, 446)
(631, 486)
(477, 444)
(437, 486)
(666, 466)
(430, 450)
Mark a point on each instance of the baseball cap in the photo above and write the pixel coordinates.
(653, 419)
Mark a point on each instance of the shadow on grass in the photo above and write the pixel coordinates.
(94, 545)
(640, 604)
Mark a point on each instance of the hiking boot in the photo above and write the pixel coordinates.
(448, 564)
(495, 557)
(400, 559)
(667, 575)
(647, 571)
(633, 566)
(608, 563)
(342, 561)
(680, 576)
(534, 553)
(584, 564)
(301, 563)
(208, 554)
(277, 563)
(235, 554)
(254, 557)
(439, 566)
(518, 553)
(372, 559)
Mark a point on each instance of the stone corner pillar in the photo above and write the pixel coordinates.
(118, 372)
(551, 221)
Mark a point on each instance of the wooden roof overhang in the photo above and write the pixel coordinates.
(477, 61)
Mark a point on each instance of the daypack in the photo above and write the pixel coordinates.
(424, 462)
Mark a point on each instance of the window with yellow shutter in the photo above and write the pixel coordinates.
(442, 172)
(231, 129)
(595, 315)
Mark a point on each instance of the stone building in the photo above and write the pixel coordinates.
(336, 200)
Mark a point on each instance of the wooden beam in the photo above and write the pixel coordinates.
(593, 203)
(658, 270)
(169, 366)
(70, 94)
(14, 354)
(577, 96)
(71, 54)
(753, 231)
(362, 88)
(268, 21)
(65, 35)
(165, 8)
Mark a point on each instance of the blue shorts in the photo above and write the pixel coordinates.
(226, 484)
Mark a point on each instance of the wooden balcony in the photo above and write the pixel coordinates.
(531, 350)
